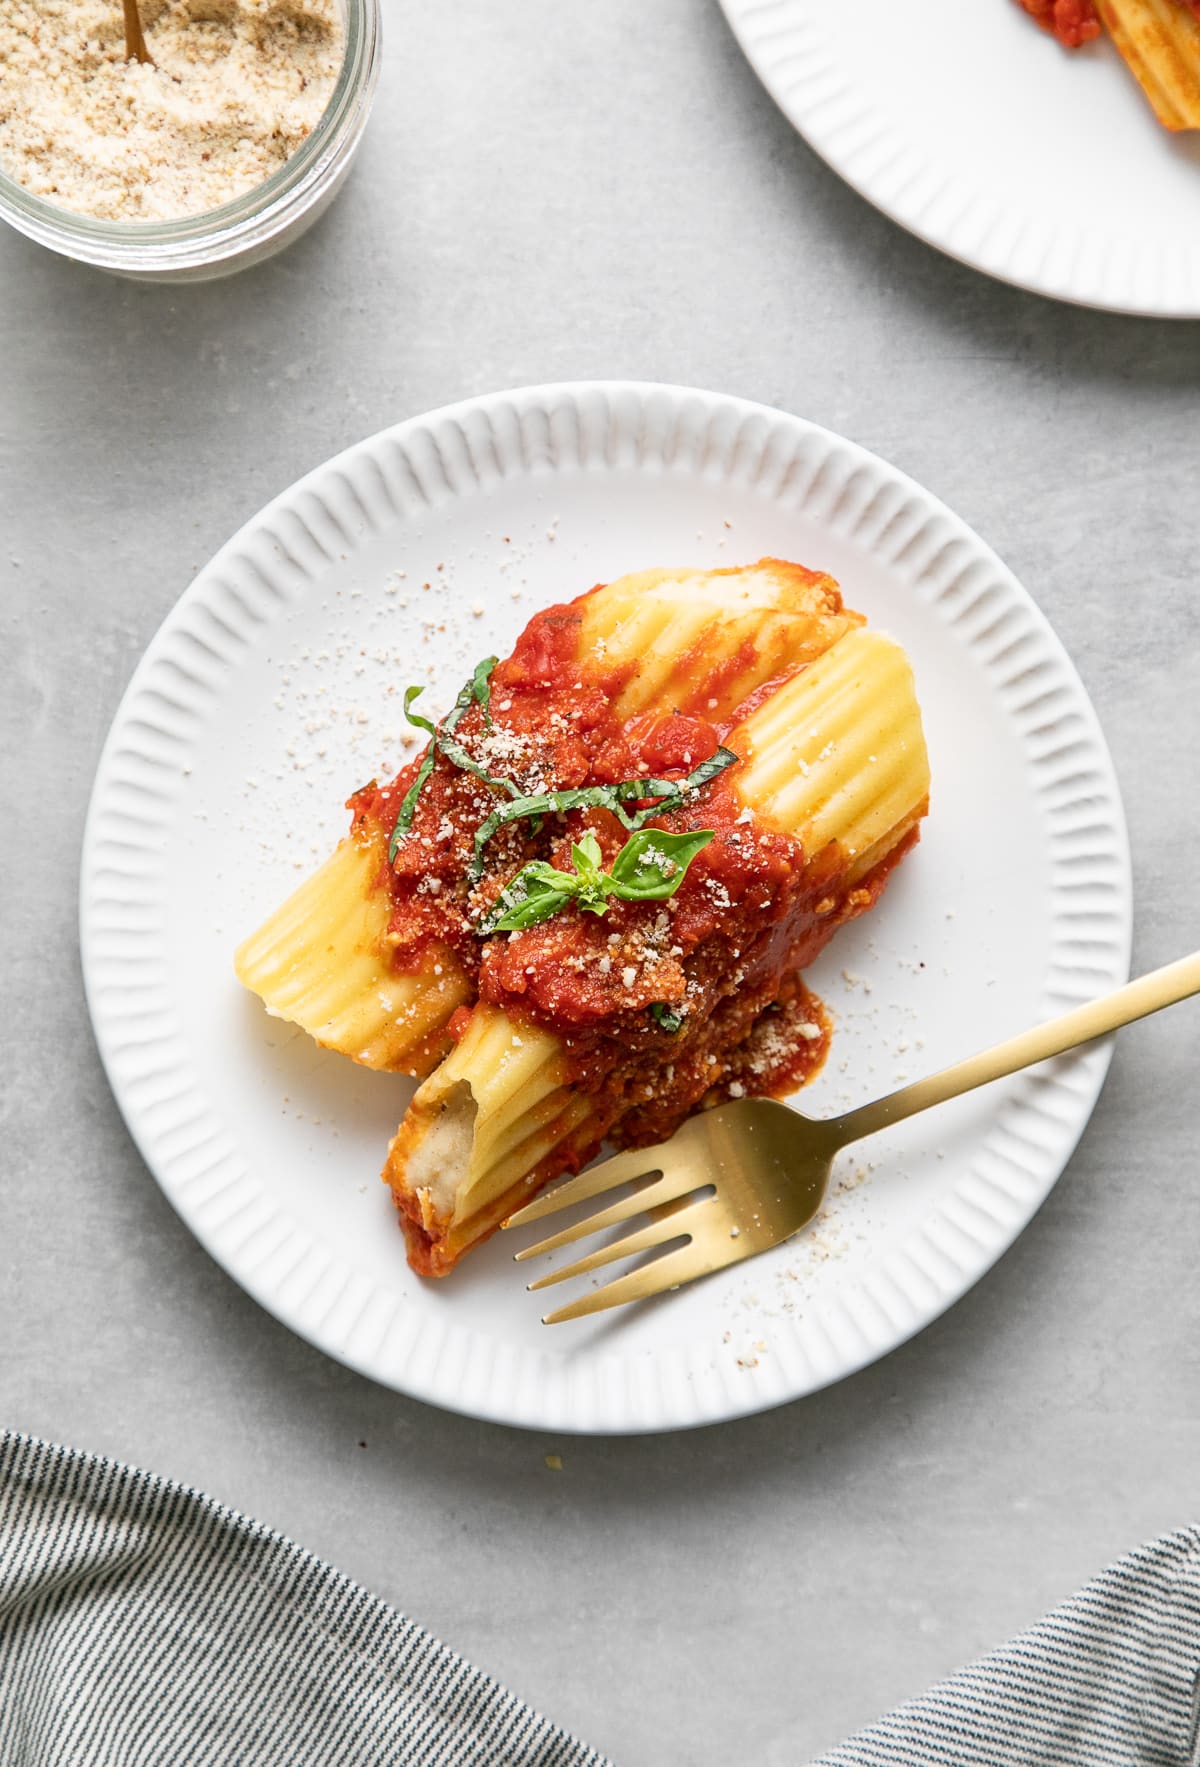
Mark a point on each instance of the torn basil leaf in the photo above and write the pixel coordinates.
(543, 804)
(592, 886)
(649, 868)
(672, 792)
(478, 688)
(454, 752)
(651, 864)
(666, 1016)
(534, 895)
(415, 718)
(408, 808)
(589, 885)
(668, 794)
(481, 687)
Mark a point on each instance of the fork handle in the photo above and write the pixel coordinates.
(1162, 987)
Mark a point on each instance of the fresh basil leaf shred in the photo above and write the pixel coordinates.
(530, 913)
(534, 895)
(466, 763)
(464, 699)
(404, 820)
(481, 686)
(540, 889)
(543, 804)
(716, 763)
(478, 689)
(670, 795)
(666, 794)
(417, 719)
(593, 886)
(675, 790)
(665, 1016)
(586, 854)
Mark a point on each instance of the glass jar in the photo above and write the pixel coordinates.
(197, 248)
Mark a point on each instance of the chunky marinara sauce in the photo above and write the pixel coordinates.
(1073, 22)
(724, 953)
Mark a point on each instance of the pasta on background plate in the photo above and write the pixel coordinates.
(585, 909)
(1159, 41)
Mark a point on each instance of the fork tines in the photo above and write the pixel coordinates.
(675, 1217)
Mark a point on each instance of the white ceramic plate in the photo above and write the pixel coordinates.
(273, 690)
(967, 124)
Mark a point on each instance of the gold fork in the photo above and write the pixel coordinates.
(739, 1179)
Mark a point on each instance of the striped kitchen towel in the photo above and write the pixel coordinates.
(1109, 1679)
(143, 1625)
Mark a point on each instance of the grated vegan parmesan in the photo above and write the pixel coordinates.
(234, 88)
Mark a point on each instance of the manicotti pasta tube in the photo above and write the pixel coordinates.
(1160, 42)
(830, 784)
(334, 958)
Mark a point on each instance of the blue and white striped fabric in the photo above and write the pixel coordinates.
(1109, 1679)
(143, 1625)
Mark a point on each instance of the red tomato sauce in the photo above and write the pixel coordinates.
(1072, 22)
(724, 953)
(1075, 22)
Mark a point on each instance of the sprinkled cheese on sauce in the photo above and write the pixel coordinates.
(659, 1006)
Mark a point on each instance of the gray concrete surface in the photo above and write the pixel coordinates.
(553, 190)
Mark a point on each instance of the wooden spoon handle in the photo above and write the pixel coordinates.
(135, 42)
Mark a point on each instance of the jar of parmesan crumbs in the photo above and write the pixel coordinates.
(219, 147)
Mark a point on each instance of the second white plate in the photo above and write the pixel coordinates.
(977, 132)
(274, 689)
